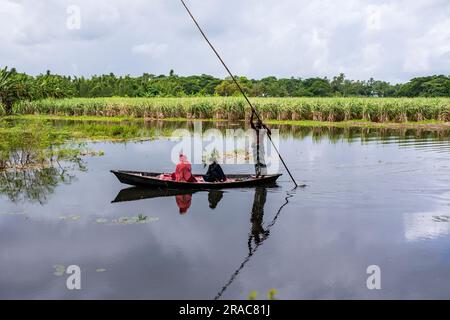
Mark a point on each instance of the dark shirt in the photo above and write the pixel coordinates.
(214, 173)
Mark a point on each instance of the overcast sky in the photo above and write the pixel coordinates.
(390, 40)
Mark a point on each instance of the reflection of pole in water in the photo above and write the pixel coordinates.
(258, 233)
(257, 245)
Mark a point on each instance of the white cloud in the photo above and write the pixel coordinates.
(372, 56)
(428, 52)
(392, 40)
(152, 49)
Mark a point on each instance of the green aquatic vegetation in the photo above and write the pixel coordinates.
(441, 218)
(71, 217)
(271, 294)
(78, 130)
(35, 145)
(60, 270)
(12, 213)
(140, 219)
(253, 295)
(128, 220)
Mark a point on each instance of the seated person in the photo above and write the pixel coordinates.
(183, 171)
(214, 173)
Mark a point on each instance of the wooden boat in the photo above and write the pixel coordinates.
(158, 180)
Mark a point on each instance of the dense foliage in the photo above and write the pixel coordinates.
(16, 86)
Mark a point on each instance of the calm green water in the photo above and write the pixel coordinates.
(373, 197)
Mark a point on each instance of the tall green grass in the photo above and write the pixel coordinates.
(232, 108)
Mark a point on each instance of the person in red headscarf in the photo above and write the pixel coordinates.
(183, 171)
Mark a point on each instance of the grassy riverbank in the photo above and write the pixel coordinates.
(378, 110)
(81, 128)
(105, 125)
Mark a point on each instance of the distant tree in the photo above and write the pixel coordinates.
(434, 86)
(16, 86)
(228, 88)
(13, 87)
(319, 87)
(337, 85)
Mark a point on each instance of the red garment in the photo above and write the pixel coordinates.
(183, 202)
(183, 172)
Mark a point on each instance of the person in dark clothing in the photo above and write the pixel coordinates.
(258, 147)
(214, 173)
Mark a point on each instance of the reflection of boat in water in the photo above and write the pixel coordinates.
(183, 197)
(139, 193)
(153, 180)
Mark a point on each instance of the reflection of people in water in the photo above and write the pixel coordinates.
(258, 233)
(183, 202)
(214, 196)
(258, 145)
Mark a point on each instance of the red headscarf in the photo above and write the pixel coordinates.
(183, 170)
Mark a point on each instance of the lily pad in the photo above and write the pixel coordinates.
(72, 217)
(11, 213)
(271, 294)
(134, 220)
(441, 218)
(60, 270)
(253, 294)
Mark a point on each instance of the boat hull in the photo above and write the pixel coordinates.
(150, 180)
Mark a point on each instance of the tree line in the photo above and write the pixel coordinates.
(15, 86)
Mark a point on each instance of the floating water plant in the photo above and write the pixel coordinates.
(134, 220)
(60, 270)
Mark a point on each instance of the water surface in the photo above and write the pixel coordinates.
(373, 197)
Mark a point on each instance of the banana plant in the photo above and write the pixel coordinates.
(9, 89)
